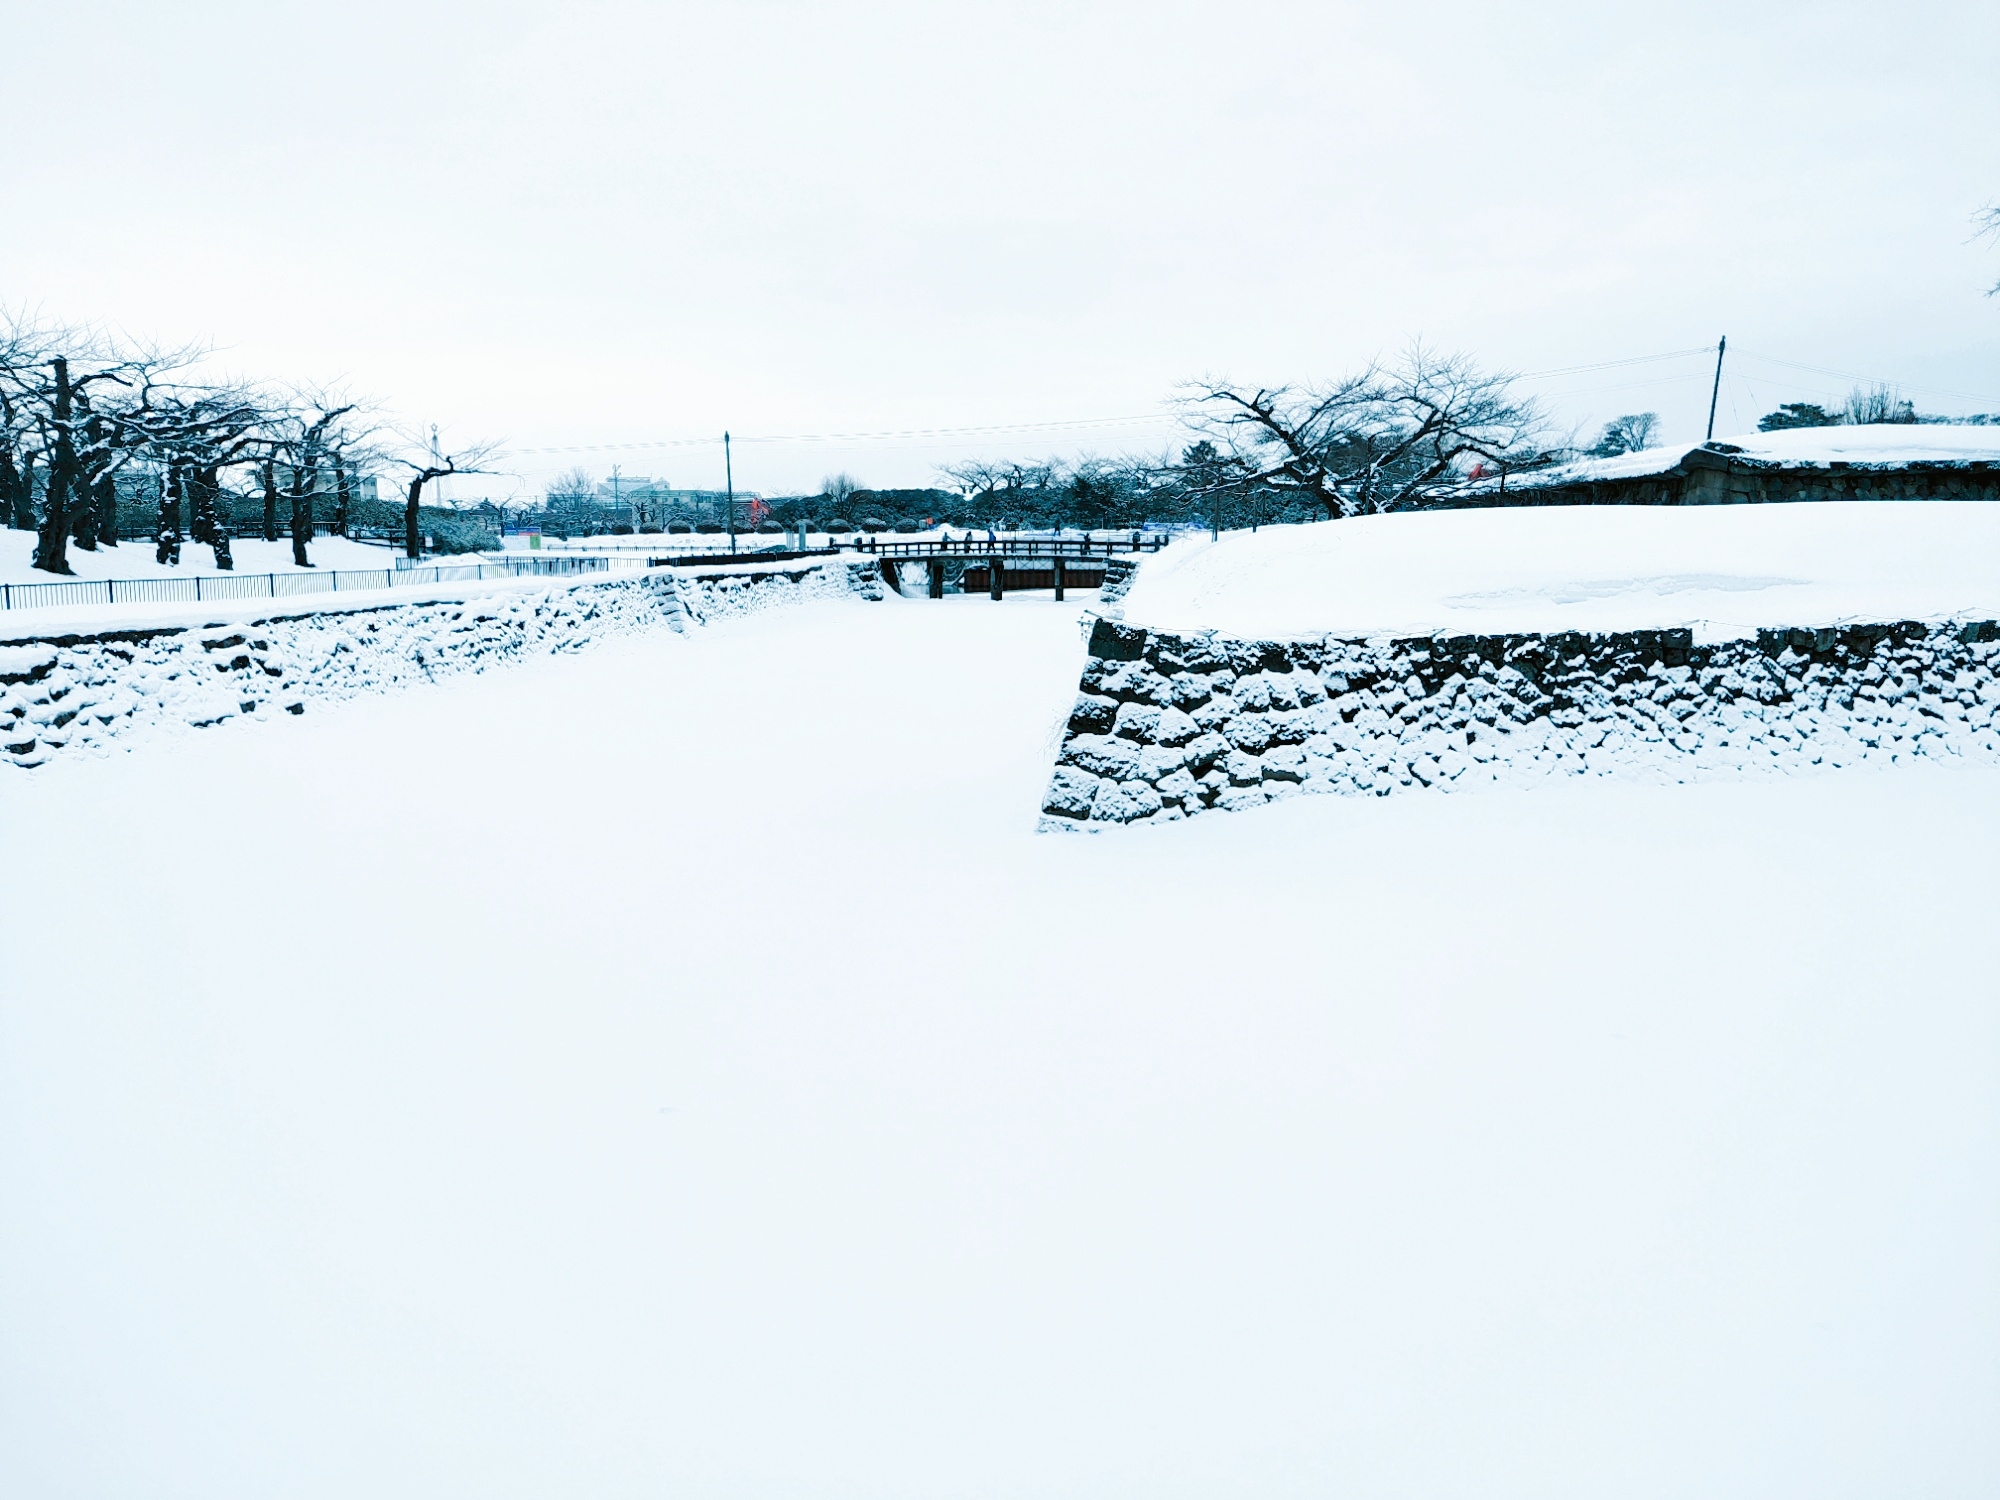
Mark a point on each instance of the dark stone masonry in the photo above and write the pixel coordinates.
(1724, 474)
(1168, 725)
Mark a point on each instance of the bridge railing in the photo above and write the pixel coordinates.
(1013, 546)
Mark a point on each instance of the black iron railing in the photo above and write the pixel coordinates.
(204, 588)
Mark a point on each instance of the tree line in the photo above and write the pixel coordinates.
(1400, 434)
(89, 421)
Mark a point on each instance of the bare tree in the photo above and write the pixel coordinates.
(1630, 433)
(838, 489)
(426, 463)
(1877, 403)
(1393, 437)
(1986, 225)
(89, 406)
(306, 448)
(573, 486)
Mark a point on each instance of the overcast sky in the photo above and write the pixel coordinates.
(579, 224)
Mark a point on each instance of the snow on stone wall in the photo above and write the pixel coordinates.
(1119, 572)
(1168, 725)
(66, 693)
(716, 595)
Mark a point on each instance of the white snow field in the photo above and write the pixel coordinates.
(136, 559)
(1726, 569)
(678, 1069)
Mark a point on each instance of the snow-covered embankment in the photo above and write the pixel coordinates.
(1877, 642)
(84, 686)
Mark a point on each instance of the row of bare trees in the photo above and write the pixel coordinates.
(1400, 434)
(80, 409)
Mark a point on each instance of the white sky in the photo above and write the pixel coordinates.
(595, 224)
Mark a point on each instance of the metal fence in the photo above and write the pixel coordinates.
(203, 588)
(1015, 545)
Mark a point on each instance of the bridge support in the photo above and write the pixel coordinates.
(1059, 580)
(936, 568)
(993, 567)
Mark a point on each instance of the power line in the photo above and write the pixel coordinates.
(1612, 364)
(1924, 390)
(854, 437)
(906, 434)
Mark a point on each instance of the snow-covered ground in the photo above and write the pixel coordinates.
(1811, 447)
(135, 559)
(1725, 569)
(678, 1069)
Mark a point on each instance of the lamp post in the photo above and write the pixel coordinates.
(729, 488)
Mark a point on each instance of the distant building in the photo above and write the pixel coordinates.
(640, 500)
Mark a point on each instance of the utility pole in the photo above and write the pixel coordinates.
(1716, 392)
(729, 483)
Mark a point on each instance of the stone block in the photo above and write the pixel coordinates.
(1144, 799)
(1253, 693)
(1204, 752)
(1284, 763)
(1209, 717)
(1250, 732)
(1292, 728)
(1243, 770)
(1236, 798)
(1093, 715)
(1112, 641)
(1103, 755)
(1136, 721)
(1174, 728)
(1071, 792)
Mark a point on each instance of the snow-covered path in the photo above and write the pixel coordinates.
(679, 1069)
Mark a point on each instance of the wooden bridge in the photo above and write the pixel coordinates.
(998, 563)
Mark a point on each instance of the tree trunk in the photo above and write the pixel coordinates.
(413, 542)
(83, 521)
(52, 546)
(303, 481)
(107, 510)
(343, 497)
(11, 484)
(208, 524)
(270, 500)
(167, 534)
(201, 510)
(24, 497)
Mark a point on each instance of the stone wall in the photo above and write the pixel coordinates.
(1168, 725)
(1720, 474)
(1119, 572)
(66, 693)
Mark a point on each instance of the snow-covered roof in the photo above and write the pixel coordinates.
(1879, 445)
(1725, 570)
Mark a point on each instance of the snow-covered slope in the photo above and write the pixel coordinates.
(1725, 570)
(677, 1070)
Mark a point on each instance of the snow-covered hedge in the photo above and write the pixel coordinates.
(79, 691)
(1167, 725)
